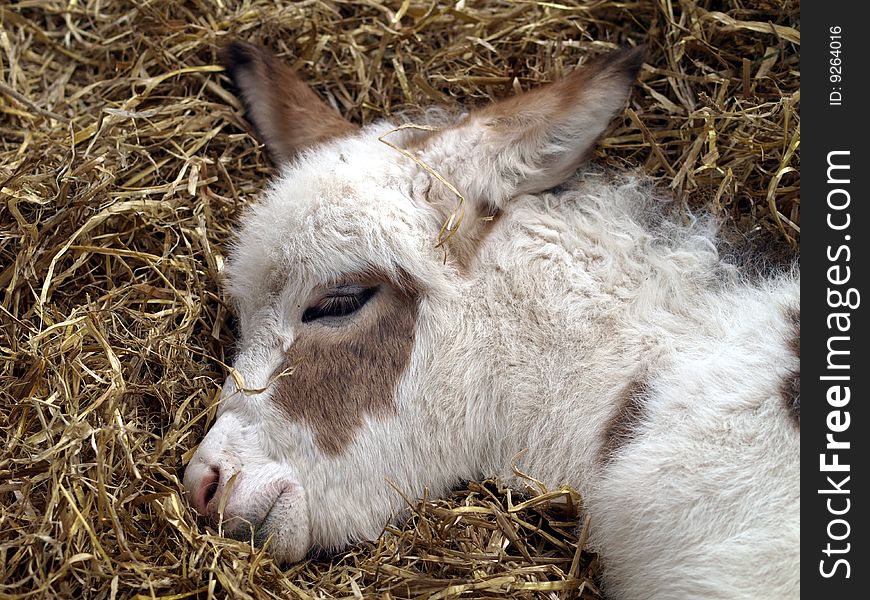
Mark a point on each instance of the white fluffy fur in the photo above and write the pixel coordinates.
(572, 295)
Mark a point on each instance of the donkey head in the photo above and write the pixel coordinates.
(339, 401)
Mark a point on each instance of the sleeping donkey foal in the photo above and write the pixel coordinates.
(580, 324)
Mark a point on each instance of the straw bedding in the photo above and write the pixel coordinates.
(123, 164)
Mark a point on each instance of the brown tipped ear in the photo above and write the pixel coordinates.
(535, 140)
(287, 115)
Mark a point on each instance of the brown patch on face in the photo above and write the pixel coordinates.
(790, 389)
(628, 415)
(342, 374)
(286, 113)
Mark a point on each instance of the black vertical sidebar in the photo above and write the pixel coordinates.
(835, 227)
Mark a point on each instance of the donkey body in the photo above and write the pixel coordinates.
(579, 331)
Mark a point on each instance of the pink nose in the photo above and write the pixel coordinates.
(202, 481)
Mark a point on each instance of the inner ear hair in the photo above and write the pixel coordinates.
(522, 145)
(286, 113)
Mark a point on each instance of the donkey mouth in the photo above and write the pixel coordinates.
(261, 531)
(284, 527)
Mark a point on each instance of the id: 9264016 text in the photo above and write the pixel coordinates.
(835, 65)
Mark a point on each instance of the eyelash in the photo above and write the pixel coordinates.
(338, 305)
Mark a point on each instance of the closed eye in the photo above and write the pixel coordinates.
(339, 302)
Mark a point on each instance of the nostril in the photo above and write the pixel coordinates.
(207, 489)
(210, 491)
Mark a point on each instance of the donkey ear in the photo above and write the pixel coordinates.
(287, 115)
(535, 140)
